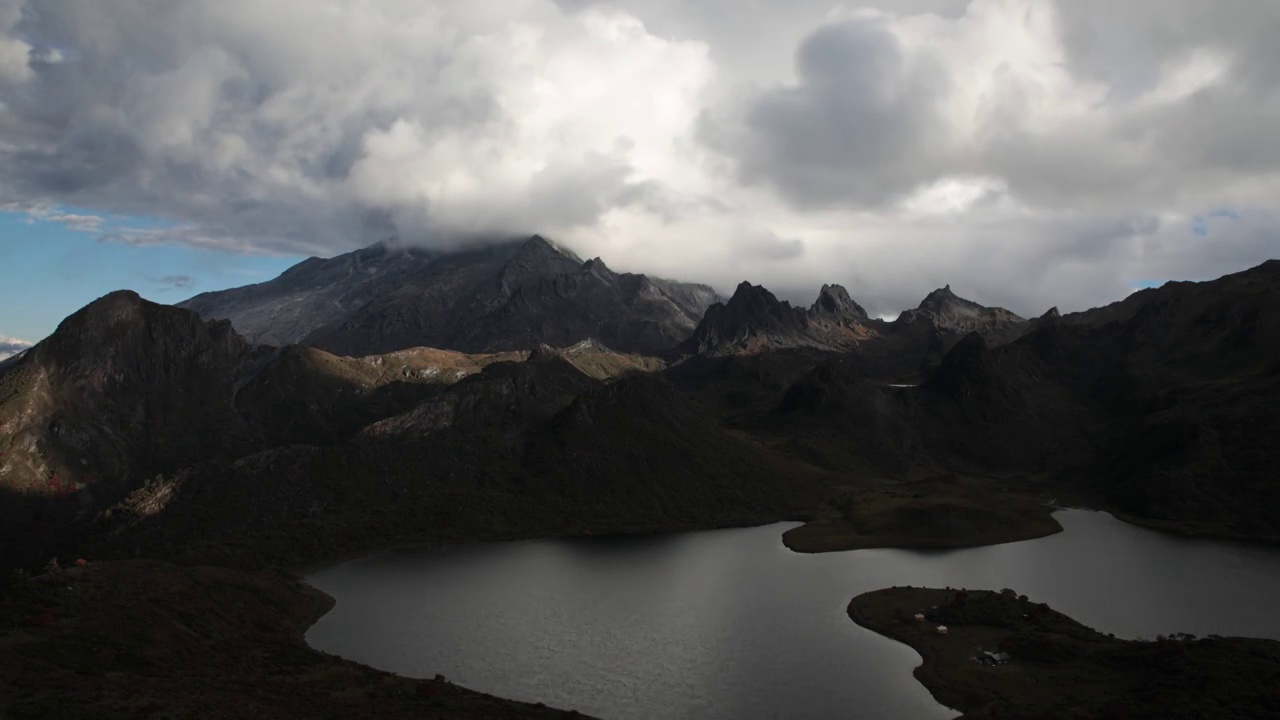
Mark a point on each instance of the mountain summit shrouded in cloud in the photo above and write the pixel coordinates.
(11, 346)
(894, 147)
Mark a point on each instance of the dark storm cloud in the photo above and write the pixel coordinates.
(858, 127)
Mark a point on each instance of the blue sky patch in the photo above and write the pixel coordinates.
(51, 266)
(1200, 224)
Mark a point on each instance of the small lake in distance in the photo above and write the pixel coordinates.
(731, 624)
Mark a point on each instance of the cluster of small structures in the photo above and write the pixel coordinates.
(920, 617)
(984, 657)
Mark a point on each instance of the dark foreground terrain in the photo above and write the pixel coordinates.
(133, 639)
(1058, 668)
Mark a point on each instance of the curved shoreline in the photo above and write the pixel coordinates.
(927, 672)
(938, 512)
(1045, 664)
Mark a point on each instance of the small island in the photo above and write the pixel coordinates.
(1001, 655)
(944, 511)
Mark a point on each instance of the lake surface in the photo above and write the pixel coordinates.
(731, 624)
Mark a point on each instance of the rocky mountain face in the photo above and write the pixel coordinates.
(141, 428)
(754, 320)
(311, 294)
(506, 297)
(951, 313)
(834, 302)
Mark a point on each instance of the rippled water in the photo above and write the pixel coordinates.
(731, 624)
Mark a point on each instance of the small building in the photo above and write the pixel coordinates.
(942, 629)
(993, 658)
(919, 617)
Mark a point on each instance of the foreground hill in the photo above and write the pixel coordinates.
(143, 639)
(127, 391)
(510, 296)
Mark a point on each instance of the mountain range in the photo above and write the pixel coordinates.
(515, 390)
(395, 396)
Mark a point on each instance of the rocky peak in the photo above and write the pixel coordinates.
(941, 298)
(834, 300)
(948, 312)
(536, 259)
(595, 266)
(753, 316)
(121, 334)
(748, 296)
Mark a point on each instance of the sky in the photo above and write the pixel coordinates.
(1030, 153)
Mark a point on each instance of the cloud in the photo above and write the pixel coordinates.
(11, 346)
(885, 104)
(862, 126)
(74, 221)
(304, 130)
(173, 282)
(1027, 152)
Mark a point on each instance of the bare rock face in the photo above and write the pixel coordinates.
(505, 297)
(754, 320)
(312, 293)
(950, 313)
(834, 302)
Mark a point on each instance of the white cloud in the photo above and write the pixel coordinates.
(11, 346)
(15, 53)
(1027, 152)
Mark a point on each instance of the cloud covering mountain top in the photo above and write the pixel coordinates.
(1030, 153)
(11, 346)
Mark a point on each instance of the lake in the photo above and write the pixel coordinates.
(731, 624)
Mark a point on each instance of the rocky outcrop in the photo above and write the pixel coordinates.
(754, 320)
(504, 297)
(952, 314)
(834, 302)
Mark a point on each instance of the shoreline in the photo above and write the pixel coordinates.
(937, 512)
(1050, 665)
(280, 601)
